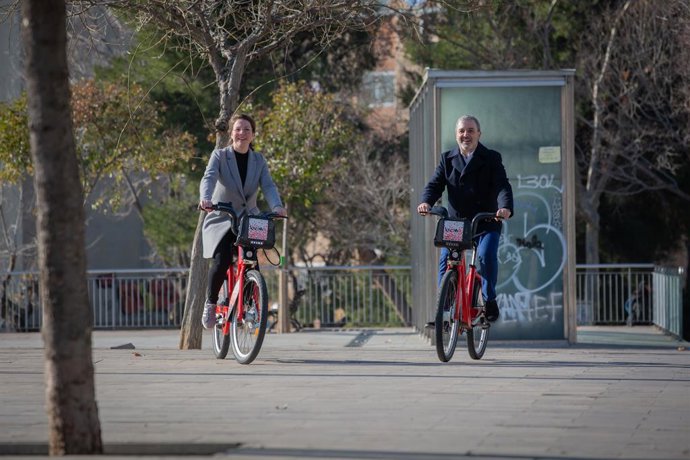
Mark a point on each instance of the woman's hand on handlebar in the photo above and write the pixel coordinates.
(423, 208)
(206, 205)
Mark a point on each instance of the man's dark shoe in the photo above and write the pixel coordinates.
(492, 312)
(430, 325)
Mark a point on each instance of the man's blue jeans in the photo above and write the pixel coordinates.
(487, 263)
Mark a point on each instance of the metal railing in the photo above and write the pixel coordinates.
(143, 298)
(336, 296)
(351, 295)
(630, 294)
(668, 299)
(614, 294)
(343, 296)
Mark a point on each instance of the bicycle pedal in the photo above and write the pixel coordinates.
(484, 323)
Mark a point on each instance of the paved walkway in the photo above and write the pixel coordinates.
(310, 395)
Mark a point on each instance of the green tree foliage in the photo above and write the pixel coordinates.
(15, 156)
(306, 138)
(169, 222)
(341, 184)
(120, 138)
(490, 35)
(175, 80)
(127, 140)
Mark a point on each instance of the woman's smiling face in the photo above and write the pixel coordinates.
(242, 135)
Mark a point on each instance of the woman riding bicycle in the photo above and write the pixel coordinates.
(233, 174)
(476, 182)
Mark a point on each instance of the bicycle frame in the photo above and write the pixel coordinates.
(466, 283)
(466, 279)
(235, 279)
(459, 286)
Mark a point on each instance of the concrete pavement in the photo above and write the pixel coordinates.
(378, 394)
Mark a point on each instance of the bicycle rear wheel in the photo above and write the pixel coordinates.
(478, 336)
(446, 327)
(247, 334)
(221, 341)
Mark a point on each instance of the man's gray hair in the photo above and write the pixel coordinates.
(466, 118)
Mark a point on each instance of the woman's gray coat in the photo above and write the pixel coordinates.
(221, 182)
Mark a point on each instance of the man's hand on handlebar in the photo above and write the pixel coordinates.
(206, 205)
(503, 213)
(423, 208)
(280, 211)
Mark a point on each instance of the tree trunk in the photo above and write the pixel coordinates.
(191, 331)
(592, 242)
(592, 284)
(70, 393)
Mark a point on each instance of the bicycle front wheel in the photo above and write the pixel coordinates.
(446, 327)
(247, 333)
(478, 336)
(221, 341)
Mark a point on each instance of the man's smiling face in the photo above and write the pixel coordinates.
(467, 135)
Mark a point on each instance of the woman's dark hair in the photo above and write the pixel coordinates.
(243, 116)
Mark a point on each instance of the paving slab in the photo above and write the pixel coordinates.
(314, 394)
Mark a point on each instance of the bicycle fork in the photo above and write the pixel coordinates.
(235, 299)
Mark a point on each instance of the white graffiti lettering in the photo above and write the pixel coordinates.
(543, 181)
(556, 209)
(521, 260)
(526, 307)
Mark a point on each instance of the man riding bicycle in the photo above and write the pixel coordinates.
(476, 182)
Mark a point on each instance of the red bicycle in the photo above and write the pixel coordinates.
(242, 311)
(460, 306)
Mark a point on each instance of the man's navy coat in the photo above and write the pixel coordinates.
(481, 186)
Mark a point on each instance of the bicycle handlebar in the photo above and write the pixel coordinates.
(484, 216)
(438, 211)
(441, 211)
(227, 207)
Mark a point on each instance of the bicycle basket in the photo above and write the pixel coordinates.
(256, 232)
(455, 234)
